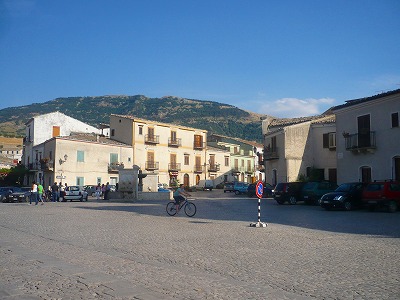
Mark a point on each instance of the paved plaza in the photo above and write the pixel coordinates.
(119, 250)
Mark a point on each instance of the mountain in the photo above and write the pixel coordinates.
(215, 117)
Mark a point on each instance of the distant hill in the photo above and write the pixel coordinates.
(215, 117)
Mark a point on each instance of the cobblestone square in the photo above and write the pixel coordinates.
(118, 250)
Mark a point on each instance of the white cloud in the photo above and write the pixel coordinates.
(293, 107)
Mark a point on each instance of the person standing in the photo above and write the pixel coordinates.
(98, 191)
(40, 192)
(54, 192)
(107, 191)
(34, 193)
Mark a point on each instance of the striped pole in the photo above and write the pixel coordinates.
(259, 210)
(259, 193)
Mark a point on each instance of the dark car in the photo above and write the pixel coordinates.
(382, 194)
(347, 196)
(4, 192)
(313, 191)
(288, 192)
(229, 187)
(267, 192)
(17, 194)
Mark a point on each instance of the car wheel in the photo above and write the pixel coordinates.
(224, 191)
(392, 207)
(80, 199)
(348, 206)
(237, 193)
(292, 200)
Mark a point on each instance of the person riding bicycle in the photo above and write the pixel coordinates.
(180, 194)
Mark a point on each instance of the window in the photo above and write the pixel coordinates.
(140, 129)
(113, 158)
(329, 140)
(98, 180)
(80, 156)
(56, 131)
(395, 119)
(226, 161)
(186, 159)
(79, 181)
(112, 132)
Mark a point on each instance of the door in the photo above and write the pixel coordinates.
(364, 129)
(396, 168)
(366, 174)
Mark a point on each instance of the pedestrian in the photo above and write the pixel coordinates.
(34, 193)
(61, 192)
(54, 192)
(103, 190)
(40, 192)
(98, 191)
(107, 191)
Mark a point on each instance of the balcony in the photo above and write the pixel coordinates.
(115, 167)
(174, 167)
(47, 165)
(35, 166)
(360, 142)
(199, 145)
(213, 167)
(151, 139)
(198, 169)
(174, 142)
(271, 153)
(151, 165)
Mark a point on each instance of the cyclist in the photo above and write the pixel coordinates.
(179, 195)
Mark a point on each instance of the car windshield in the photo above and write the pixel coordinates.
(345, 187)
(16, 190)
(310, 185)
(279, 187)
(26, 189)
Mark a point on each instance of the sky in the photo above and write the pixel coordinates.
(284, 58)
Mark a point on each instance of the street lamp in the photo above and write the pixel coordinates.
(63, 161)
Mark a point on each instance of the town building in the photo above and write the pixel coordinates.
(177, 154)
(243, 158)
(42, 128)
(368, 146)
(299, 148)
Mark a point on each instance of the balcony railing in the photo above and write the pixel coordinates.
(360, 141)
(151, 165)
(198, 169)
(34, 166)
(152, 139)
(47, 166)
(115, 167)
(199, 145)
(213, 167)
(174, 167)
(174, 142)
(271, 153)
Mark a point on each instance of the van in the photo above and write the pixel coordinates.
(206, 184)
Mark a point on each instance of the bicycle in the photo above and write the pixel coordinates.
(189, 208)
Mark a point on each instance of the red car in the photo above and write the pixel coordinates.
(380, 194)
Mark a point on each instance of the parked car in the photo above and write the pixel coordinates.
(17, 194)
(205, 184)
(267, 192)
(75, 192)
(240, 187)
(288, 192)
(91, 190)
(382, 194)
(229, 187)
(312, 191)
(5, 190)
(347, 196)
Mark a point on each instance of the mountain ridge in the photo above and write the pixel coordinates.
(216, 117)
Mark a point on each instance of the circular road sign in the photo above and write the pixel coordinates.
(259, 189)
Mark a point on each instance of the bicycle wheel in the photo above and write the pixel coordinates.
(171, 208)
(190, 209)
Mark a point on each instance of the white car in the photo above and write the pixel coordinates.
(75, 192)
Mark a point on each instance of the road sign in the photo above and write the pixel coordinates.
(60, 177)
(259, 189)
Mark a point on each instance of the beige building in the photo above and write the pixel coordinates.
(299, 147)
(368, 146)
(175, 153)
(82, 159)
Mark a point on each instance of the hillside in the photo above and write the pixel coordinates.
(215, 117)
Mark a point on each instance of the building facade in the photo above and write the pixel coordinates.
(368, 138)
(177, 154)
(299, 148)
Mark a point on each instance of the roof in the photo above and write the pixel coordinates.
(251, 143)
(366, 99)
(94, 138)
(157, 122)
(320, 119)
